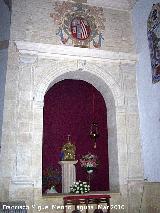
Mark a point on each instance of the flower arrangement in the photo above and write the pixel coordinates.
(89, 161)
(79, 187)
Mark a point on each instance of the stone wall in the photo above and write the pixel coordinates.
(151, 197)
(38, 26)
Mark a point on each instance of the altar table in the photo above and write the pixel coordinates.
(86, 200)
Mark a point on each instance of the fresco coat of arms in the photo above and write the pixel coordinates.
(153, 32)
(79, 24)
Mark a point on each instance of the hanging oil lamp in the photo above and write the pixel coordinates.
(94, 134)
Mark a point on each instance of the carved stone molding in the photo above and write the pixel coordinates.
(93, 62)
(81, 64)
(22, 180)
(57, 52)
(38, 100)
(27, 58)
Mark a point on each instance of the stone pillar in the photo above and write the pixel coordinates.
(22, 183)
(68, 174)
(24, 116)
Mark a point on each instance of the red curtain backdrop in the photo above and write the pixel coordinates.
(68, 109)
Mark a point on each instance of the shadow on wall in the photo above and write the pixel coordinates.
(5, 15)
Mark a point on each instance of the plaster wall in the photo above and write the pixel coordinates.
(148, 94)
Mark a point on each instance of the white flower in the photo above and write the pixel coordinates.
(79, 187)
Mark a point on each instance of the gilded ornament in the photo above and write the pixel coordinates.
(69, 150)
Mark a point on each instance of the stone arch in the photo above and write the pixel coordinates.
(50, 76)
(112, 94)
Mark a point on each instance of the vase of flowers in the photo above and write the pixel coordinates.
(89, 162)
(89, 169)
(79, 187)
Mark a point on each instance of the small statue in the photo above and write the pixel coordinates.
(68, 150)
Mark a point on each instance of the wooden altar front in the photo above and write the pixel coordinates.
(87, 200)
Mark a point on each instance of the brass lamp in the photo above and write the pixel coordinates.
(94, 134)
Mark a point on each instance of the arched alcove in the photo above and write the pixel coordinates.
(68, 109)
(104, 84)
(110, 92)
(38, 71)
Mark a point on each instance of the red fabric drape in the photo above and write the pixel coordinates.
(68, 109)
